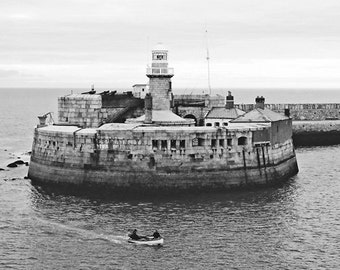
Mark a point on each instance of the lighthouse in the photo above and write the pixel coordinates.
(160, 75)
(158, 100)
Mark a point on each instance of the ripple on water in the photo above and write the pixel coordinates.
(291, 227)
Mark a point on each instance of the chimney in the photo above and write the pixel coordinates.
(287, 112)
(148, 108)
(259, 102)
(229, 101)
(42, 120)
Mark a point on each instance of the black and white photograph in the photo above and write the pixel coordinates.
(169, 134)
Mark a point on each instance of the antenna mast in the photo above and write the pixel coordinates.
(147, 51)
(208, 58)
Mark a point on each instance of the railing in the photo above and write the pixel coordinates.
(159, 71)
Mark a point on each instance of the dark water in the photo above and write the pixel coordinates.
(295, 226)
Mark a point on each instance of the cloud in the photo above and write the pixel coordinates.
(67, 41)
(9, 73)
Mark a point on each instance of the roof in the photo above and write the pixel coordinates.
(161, 116)
(159, 47)
(118, 126)
(224, 113)
(260, 115)
(59, 128)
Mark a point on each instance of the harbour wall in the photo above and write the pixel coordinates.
(302, 112)
(87, 157)
(316, 133)
(298, 112)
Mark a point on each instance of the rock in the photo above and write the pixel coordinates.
(12, 165)
(19, 162)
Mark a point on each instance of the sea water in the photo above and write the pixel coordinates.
(294, 226)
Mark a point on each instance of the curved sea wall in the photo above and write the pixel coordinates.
(147, 158)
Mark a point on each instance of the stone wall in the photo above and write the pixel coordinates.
(160, 89)
(157, 157)
(89, 111)
(310, 112)
(80, 110)
(314, 133)
(306, 111)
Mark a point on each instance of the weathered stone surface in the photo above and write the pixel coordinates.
(130, 155)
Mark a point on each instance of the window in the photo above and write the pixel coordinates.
(213, 143)
(164, 144)
(208, 124)
(242, 141)
(198, 142)
(229, 142)
(154, 144)
(217, 124)
(225, 124)
(159, 56)
(182, 144)
(221, 142)
(173, 143)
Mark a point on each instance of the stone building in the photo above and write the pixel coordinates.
(92, 146)
(281, 125)
(221, 116)
(140, 90)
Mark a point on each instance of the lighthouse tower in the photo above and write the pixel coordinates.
(158, 100)
(159, 75)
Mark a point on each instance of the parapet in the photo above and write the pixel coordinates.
(92, 110)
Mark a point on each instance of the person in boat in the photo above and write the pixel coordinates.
(156, 235)
(135, 236)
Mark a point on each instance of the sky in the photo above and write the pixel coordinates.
(252, 43)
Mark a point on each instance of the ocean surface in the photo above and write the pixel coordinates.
(294, 226)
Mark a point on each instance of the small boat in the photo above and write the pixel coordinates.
(149, 241)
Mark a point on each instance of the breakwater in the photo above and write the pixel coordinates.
(316, 133)
(303, 111)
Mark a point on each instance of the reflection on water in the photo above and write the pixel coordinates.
(292, 226)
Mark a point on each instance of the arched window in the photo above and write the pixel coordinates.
(242, 141)
(190, 116)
